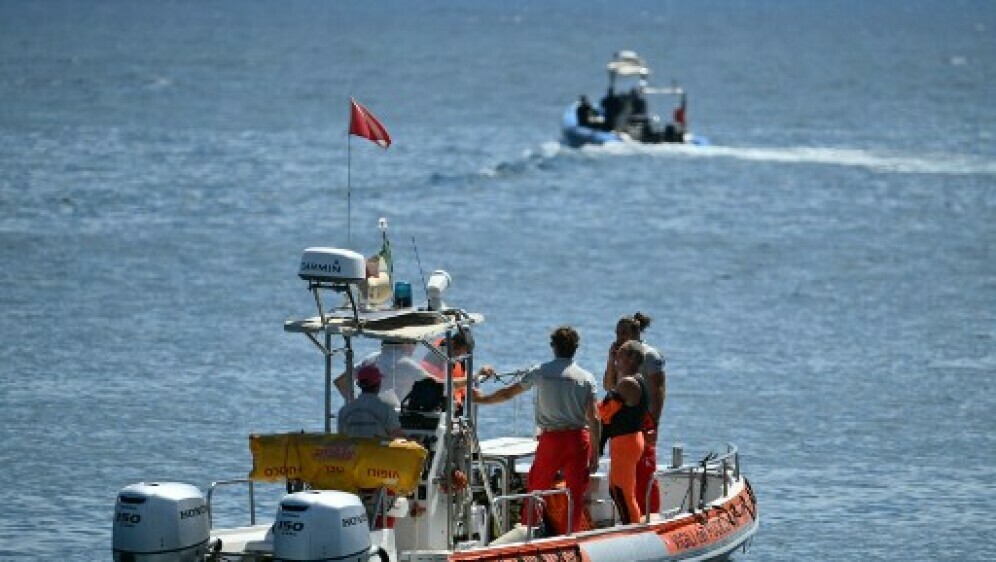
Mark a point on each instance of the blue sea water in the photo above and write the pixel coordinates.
(821, 277)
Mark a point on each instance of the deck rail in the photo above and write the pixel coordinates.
(720, 464)
(252, 498)
(697, 473)
(532, 498)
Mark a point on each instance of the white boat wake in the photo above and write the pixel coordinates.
(881, 161)
(552, 154)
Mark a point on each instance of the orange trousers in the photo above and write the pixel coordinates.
(645, 474)
(625, 452)
(566, 451)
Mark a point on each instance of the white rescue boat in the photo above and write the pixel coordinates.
(439, 495)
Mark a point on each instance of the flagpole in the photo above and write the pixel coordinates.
(349, 190)
(361, 123)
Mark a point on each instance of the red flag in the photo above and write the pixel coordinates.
(679, 112)
(362, 123)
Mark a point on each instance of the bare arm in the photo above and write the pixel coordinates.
(611, 375)
(500, 395)
(629, 390)
(344, 387)
(595, 428)
(484, 373)
(657, 390)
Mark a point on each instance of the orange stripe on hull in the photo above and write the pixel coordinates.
(711, 527)
(565, 550)
(679, 536)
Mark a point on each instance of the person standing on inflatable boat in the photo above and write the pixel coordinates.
(623, 412)
(567, 419)
(631, 328)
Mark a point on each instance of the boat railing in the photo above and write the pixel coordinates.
(533, 498)
(379, 503)
(506, 467)
(720, 464)
(252, 497)
(379, 508)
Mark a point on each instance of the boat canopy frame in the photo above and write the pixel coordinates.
(420, 326)
(406, 325)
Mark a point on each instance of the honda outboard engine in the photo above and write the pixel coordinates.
(321, 525)
(160, 522)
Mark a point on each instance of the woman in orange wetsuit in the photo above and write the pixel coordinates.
(623, 412)
(631, 328)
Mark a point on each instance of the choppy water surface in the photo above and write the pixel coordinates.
(821, 277)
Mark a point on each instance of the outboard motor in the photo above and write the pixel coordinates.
(160, 522)
(321, 525)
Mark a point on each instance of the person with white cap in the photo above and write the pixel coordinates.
(369, 415)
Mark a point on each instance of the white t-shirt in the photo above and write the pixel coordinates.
(564, 392)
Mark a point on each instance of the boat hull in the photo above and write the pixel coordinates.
(575, 135)
(709, 534)
(439, 494)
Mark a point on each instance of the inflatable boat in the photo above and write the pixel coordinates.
(440, 494)
(623, 115)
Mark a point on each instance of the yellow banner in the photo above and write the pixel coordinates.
(336, 462)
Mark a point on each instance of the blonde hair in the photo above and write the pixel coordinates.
(633, 349)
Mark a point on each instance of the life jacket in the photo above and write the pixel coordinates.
(436, 367)
(620, 419)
